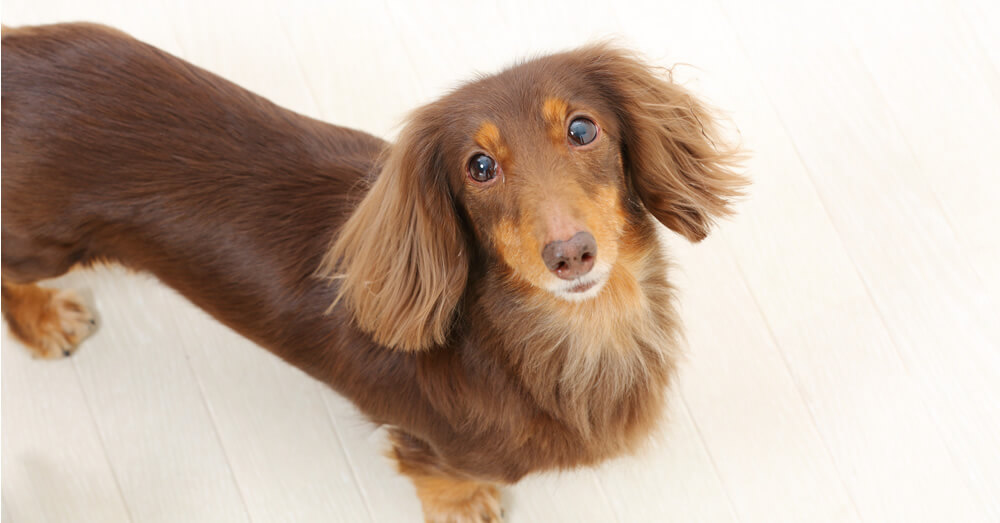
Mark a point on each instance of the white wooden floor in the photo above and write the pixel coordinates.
(843, 359)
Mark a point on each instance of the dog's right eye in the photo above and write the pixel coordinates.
(482, 168)
(582, 131)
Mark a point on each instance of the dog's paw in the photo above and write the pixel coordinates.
(67, 324)
(481, 506)
(51, 323)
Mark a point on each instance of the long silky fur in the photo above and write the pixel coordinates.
(399, 260)
(587, 371)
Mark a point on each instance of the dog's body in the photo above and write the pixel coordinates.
(486, 363)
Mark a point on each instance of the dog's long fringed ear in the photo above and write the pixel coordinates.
(400, 259)
(682, 171)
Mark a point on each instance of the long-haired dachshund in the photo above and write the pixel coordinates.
(490, 286)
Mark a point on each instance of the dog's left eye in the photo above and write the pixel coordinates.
(582, 131)
(482, 168)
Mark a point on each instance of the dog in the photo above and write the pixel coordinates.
(490, 287)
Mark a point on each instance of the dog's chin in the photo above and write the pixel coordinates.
(584, 288)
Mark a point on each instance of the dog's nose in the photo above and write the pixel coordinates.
(571, 258)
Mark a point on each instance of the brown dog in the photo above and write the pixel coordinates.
(494, 290)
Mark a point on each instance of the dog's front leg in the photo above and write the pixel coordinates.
(445, 497)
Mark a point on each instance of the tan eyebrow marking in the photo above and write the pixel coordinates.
(488, 137)
(554, 112)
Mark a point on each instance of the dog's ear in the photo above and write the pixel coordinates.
(680, 169)
(400, 259)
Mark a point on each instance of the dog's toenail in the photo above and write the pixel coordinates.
(92, 322)
(66, 353)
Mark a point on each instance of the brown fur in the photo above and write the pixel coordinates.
(443, 324)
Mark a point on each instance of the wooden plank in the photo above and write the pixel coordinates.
(896, 238)
(273, 425)
(958, 168)
(981, 18)
(390, 496)
(351, 84)
(145, 402)
(55, 468)
(558, 496)
(746, 404)
(673, 479)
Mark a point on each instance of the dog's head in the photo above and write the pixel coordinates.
(544, 166)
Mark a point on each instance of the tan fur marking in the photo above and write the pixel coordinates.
(605, 219)
(457, 501)
(50, 323)
(554, 111)
(521, 247)
(488, 137)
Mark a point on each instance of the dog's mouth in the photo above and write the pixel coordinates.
(585, 287)
(582, 287)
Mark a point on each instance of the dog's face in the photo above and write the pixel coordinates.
(541, 181)
(545, 166)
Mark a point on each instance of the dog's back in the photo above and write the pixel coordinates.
(114, 150)
(86, 108)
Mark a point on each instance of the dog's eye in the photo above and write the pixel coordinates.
(582, 131)
(482, 168)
